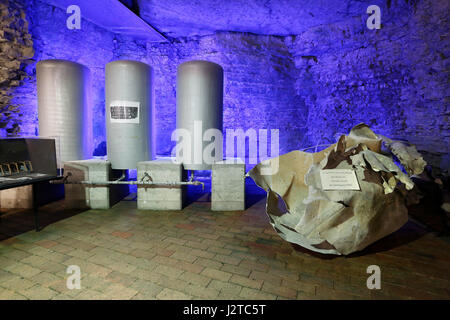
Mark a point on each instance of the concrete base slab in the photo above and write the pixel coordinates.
(94, 197)
(228, 185)
(156, 197)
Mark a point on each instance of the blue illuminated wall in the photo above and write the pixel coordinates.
(394, 79)
(312, 86)
(259, 90)
(91, 46)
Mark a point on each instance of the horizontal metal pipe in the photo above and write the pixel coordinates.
(138, 183)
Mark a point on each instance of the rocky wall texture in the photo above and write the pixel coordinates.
(16, 49)
(258, 83)
(395, 79)
(313, 86)
(91, 46)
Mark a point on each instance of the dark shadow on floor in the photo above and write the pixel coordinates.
(408, 233)
(14, 222)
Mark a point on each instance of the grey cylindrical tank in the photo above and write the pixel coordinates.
(199, 100)
(128, 91)
(63, 95)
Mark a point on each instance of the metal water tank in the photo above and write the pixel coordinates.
(199, 108)
(128, 91)
(63, 89)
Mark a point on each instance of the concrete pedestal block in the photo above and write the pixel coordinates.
(92, 196)
(160, 197)
(228, 185)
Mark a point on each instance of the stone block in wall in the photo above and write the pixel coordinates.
(228, 185)
(161, 197)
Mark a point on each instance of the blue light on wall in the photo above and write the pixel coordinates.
(312, 86)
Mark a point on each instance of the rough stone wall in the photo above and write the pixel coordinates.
(258, 78)
(312, 87)
(16, 49)
(91, 46)
(395, 79)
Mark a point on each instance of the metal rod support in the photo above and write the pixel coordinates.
(145, 181)
(139, 183)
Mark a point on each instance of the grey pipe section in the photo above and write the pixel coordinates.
(64, 180)
(199, 99)
(139, 183)
(63, 89)
(128, 92)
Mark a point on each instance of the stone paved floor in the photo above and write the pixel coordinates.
(124, 253)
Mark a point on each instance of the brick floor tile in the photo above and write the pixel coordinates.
(235, 270)
(199, 254)
(119, 292)
(121, 234)
(34, 261)
(227, 296)
(80, 253)
(324, 292)
(202, 253)
(38, 292)
(169, 294)
(95, 283)
(162, 251)
(213, 244)
(216, 274)
(201, 292)
(195, 278)
(15, 283)
(121, 278)
(22, 269)
(61, 248)
(184, 256)
(197, 245)
(246, 282)
(252, 294)
(147, 275)
(168, 271)
(173, 240)
(147, 289)
(140, 253)
(316, 280)
(304, 287)
(208, 263)
(170, 283)
(267, 277)
(46, 243)
(6, 294)
(227, 259)
(88, 294)
(278, 290)
(225, 287)
(248, 264)
(45, 278)
(62, 296)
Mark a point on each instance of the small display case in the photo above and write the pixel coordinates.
(24, 161)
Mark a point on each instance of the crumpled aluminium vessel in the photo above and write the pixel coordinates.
(339, 221)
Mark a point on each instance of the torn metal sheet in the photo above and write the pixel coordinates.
(336, 221)
(408, 155)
